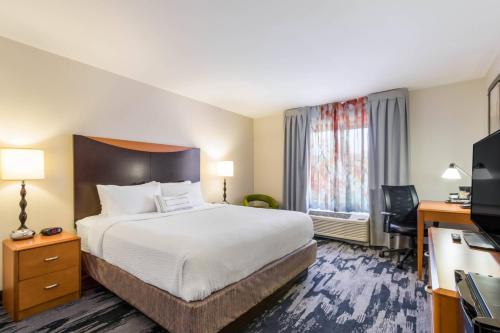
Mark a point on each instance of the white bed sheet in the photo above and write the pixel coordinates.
(194, 253)
(82, 231)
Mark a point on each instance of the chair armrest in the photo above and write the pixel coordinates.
(388, 214)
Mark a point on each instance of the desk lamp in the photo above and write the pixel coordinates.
(453, 172)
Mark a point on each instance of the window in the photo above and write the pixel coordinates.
(338, 157)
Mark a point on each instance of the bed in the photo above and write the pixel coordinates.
(197, 270)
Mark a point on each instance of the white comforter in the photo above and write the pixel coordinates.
(193, 253)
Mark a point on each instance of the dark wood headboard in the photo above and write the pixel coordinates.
(121, 162)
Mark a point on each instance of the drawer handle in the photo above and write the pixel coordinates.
(51, 286)
(51, 258)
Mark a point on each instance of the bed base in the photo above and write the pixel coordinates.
(227, 310)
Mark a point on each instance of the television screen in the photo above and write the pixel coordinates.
(485, 201)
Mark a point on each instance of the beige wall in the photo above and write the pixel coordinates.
(444, 122)
(268, 160)
(44, 99)
(493, 72)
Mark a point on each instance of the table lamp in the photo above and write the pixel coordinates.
(22, 164)
(225, 169)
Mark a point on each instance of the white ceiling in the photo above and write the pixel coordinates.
(261, 56)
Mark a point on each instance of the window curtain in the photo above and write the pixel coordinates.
(296, 159)
(338, 166)
(388, 152)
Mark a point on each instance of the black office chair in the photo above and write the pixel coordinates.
(400, 217)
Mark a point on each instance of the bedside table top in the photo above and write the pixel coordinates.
(39, 240)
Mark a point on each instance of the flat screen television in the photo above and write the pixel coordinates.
(485, 200)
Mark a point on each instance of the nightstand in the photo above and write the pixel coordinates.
(40, 273)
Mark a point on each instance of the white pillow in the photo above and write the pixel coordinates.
(122, 200)
(171, 204)
(170, 189)
(192, 189)
(258, 204)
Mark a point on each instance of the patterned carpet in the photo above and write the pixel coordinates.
(348, 289)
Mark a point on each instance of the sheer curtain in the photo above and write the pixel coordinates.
(338, 157)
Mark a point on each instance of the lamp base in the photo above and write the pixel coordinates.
(224, 192)
(22, 234)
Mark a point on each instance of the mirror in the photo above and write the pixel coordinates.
(494, 106)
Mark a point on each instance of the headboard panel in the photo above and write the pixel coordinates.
(121, 162)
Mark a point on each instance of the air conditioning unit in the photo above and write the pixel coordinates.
(344, 226)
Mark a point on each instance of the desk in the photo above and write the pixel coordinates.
(437, 211)
(445, 257)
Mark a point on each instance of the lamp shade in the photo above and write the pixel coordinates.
(225, 168)
(451, 173)
(22, 164)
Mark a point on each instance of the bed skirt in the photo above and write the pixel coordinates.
(210, 314)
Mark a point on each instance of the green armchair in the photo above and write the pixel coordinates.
(260, 201)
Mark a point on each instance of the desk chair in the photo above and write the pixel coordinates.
(400, 217)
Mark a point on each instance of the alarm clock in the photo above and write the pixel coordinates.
(51, 231)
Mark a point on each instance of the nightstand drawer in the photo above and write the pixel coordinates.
(47, 259)
(48, 287)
